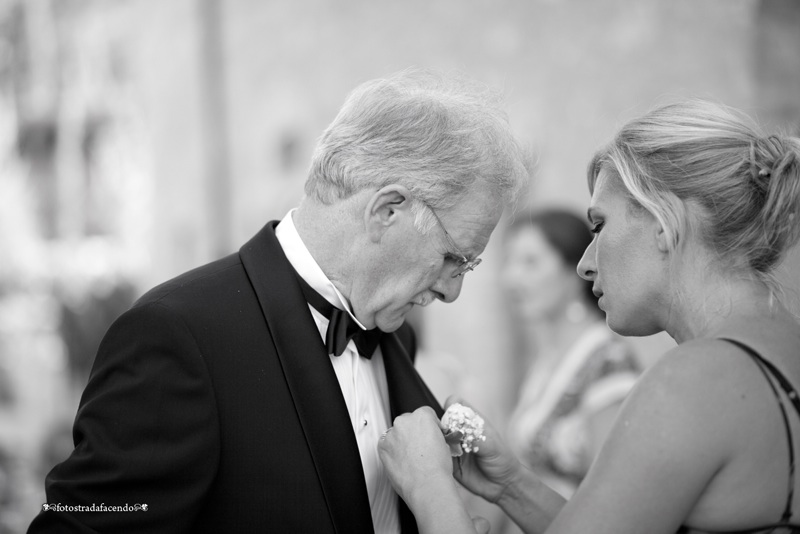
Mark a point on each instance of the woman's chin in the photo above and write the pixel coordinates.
(629, 328)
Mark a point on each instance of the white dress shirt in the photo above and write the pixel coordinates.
(363, 382)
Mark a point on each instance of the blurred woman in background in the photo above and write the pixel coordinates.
(577, 371)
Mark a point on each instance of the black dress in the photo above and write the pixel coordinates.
(783, 526)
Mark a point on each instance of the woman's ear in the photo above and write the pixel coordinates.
(662, 239)
(385, 208)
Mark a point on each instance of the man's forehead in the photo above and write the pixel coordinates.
(472, 230)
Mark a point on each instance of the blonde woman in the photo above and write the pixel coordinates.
(692, 208)
(578, 371)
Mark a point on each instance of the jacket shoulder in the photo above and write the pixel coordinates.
(190, 282)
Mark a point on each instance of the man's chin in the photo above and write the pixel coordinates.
(390, 325)
(388, 329)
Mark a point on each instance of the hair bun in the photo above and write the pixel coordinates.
(777, 168)
(767, 153)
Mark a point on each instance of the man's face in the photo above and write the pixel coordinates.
(414, 269)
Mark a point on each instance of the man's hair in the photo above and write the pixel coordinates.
(702, 167)
(439, 136)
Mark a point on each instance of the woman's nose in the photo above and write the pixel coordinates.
(587, 268)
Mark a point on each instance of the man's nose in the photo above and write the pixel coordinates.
(447, 289)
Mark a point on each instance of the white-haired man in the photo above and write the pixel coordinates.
(249, 395)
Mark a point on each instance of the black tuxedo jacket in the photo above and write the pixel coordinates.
(212, 401)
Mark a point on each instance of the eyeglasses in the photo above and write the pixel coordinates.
(465, 264)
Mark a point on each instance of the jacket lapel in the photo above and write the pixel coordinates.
(407, 392)
(310, 378)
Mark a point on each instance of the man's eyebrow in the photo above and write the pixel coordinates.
(469, 254)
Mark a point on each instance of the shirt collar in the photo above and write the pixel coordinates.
(306, 266)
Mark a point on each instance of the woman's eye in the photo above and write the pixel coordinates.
(597, 227)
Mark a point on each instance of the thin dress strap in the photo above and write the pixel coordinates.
(766, 368)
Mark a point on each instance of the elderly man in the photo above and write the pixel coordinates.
(249, 395)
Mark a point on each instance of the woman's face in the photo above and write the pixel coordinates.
(624, 262)
(538, 280)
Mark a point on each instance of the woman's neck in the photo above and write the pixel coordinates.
(702, 309)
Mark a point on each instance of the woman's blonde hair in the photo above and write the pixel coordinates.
(702, 167)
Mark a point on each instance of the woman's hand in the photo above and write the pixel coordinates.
(490, 470)
(414, 452)
(495, 473)
(418, 462)
(419, 465)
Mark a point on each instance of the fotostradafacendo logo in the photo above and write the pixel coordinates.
(102, 507)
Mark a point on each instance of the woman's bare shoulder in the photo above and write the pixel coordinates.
(692, 364)
(693, 388)
(668, 436)
(775, 338)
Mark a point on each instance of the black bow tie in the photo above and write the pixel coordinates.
(341, 327)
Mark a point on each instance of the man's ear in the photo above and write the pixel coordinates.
(385, 208)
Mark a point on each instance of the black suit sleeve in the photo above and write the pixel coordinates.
(146, 433)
